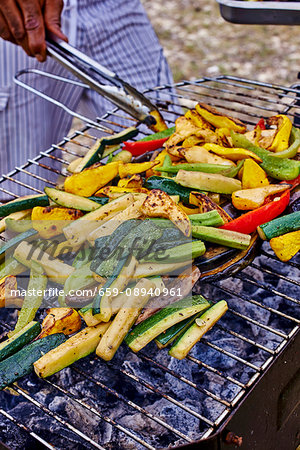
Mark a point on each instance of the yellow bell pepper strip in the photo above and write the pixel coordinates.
(278, 168)
(235, 154)
(188, 210)
(253, 175)
(160, 124)
(219, 120)
(247, 223)
(284, 128)
(231, 171)
(197, 119)
(136, 181)
(292, 150)
(248, 199)
(90, 180)
(129, 169)
(116, 191)
(286, 246)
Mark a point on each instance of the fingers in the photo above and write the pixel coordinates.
(12, 24)
(52, 14)
(34, 28)
(4, 30)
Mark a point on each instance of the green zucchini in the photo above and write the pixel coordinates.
(99, 200)
(11, 267)
(169, 186)
(19, 340)
(81, 278)
(75, 348)
(33, 299)
(194, 333)
(96, 151)
(222, 237)
(172, 333)
(184, 252)
(150, 328)
(211, 182)
(84, 256)
(21, 363)
(23, 203)
(116, 283)
(71, 200)
(280, 225)
(208, 219)
(159, 135)
(151, 269)
(19, 215)
(16, 240)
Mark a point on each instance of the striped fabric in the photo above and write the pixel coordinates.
(117, 33)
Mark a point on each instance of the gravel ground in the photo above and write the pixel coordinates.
(199, 42)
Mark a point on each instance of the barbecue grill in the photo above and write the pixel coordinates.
(239, 386)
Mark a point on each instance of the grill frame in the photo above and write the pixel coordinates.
(216, 430)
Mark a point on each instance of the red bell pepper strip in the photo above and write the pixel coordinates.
(247, 223)
(140, 147)
(261, 124)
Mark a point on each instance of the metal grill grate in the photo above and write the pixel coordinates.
(150, 400)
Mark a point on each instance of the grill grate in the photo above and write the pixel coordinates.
(149, 400)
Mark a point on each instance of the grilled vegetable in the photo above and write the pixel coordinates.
(23, 203)
(219, 120)
(11, 267)
(147, 270)
(135, 181)
(116, 191)
(50, 221)
(223, 237)
(55, 269)
(199, 167)
(95, 153)
(145, 331)
(129, 169)
(286, 246)
(75, 348)
(123, 156)
(18, 226)
(184, 252)
(201, 155)
(33, 299)
(169, 186)
(15, 241)
(234, 154)
(140, 147)
(8, 284)
(254, 198)
(208, 219)
(279, 226)
(284, 128)
(292, 150)
(206, 204)
(159, 204)
(253, 175)
(19, 340)
(76, 233)
(71, 200)
(124, 320)
(169, 335)
(279, 168)
(116, 283)
(208, 182)
(16, 216)
(90, 180)
(196, 331)
(21, 363)
(80, 278)
(247, 223)
(60, 320)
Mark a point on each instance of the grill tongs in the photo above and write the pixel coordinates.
(122, 94)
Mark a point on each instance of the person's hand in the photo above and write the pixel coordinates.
(25, 22)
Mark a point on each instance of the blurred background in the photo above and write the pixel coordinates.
(199, 42)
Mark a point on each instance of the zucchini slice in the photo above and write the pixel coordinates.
(22, 203)
(208, 219)
(184, 252)
(71, 200)
(19, 215)
(96, 151)
(195, 332)
(222, 237)
(15, 241)
(168, 336)
(280, 225)
(19, 340)
(18, 226)
(21, 363)
(75, 348)
(145, 331)
(150, 269)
